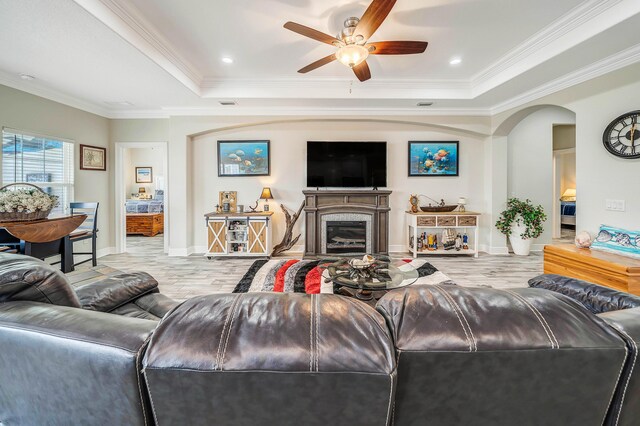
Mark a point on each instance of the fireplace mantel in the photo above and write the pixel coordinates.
(374, 203)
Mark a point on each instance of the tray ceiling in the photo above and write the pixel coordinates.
(162, 57)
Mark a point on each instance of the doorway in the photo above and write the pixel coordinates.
(141, 195)
(564, 179)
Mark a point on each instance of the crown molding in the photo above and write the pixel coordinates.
(129, 24)
(38, 89)
(571, 29)
(334, 88)
(329, 111)
(609, 64)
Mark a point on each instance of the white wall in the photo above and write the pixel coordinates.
(530, 161)
(288, 170)
(143, 157)
(568, 172)
(600, 175)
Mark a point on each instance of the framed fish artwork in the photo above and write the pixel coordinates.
(433, 158)
(244, 158)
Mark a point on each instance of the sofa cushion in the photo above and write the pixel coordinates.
(113, 291)
(151, 306)
(27, 278)
(488, 356)
(269, 358)
(596, 298)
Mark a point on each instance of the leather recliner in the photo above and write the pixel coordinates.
(63, 358)
(429, 355)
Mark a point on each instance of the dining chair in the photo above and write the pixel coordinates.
(88, 230)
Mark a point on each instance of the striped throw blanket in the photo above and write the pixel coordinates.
(304, 276)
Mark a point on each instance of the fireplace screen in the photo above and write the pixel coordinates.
(347, 237)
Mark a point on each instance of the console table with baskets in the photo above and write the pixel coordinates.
(435, 223)
(238, 234)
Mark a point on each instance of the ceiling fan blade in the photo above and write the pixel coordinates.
(362, 71)
(318, 63)
(397, 47)
(311, 33)
(373, 17)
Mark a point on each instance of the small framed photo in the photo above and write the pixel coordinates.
(144, 175)
(433, 158)
(244, 158)
(93, 158)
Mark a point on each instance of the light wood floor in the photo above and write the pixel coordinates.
(185, 277)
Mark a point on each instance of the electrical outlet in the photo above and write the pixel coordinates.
(615, 205)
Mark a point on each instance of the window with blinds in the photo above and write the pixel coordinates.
(40, 160)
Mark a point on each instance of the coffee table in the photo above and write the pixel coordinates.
(368, 282)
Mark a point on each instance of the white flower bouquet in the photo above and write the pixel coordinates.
(25, 204)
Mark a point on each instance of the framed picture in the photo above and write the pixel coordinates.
(144, 175)
(93, 158)
(433, 158)
(244, 158)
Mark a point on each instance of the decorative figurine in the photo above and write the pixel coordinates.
(465, 241)
(583, 240)
(430, 242)
(458, 242)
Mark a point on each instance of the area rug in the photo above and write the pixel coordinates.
(304, 276)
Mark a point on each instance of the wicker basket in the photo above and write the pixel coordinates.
(24, 216)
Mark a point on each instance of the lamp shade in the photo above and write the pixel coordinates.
(142, 190)
(569, 195)
(462, 201)
(266, 194)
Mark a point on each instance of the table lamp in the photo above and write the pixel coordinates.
(266, 196)
(461, 203)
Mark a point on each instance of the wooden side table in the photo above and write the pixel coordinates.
(608, 269)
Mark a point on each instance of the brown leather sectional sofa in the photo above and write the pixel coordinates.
(119, 353)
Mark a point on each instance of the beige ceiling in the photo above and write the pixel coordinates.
(164, 56)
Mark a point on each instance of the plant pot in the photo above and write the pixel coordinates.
(520, 246)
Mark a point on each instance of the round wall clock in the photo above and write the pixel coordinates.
(622, 136)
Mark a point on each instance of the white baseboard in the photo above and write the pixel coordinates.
(105, 251)
(501, 251)
(178, 252)
(537, 247)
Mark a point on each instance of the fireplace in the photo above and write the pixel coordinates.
(348, 222)
(346, 236)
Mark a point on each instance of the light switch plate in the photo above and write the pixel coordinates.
(615, 205)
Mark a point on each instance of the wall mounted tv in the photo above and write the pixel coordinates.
(346, 164)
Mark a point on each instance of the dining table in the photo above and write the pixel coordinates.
(43, 238)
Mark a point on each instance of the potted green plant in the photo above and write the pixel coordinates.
(521, 222)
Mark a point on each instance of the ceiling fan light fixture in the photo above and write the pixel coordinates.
(352, 55)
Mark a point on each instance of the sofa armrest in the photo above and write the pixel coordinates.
(625, 408)
(109, 293)
(62, 365)
(596, 298)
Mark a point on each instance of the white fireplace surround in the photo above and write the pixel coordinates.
(344, 217)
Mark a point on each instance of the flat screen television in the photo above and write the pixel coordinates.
(346, 164)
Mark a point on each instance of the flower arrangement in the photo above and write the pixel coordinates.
(26, 204)
(522, 212)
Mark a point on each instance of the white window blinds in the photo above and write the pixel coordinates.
(40, 160)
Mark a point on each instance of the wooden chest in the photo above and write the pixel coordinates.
(607, 269)
(147, 224)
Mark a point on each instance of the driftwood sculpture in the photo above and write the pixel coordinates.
(287, 241)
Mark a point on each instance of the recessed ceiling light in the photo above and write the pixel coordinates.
(424, 104)
(227, 60)
(27, 77)
(118, 103)
(455, 61)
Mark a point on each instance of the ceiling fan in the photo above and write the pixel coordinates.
(353, 41)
